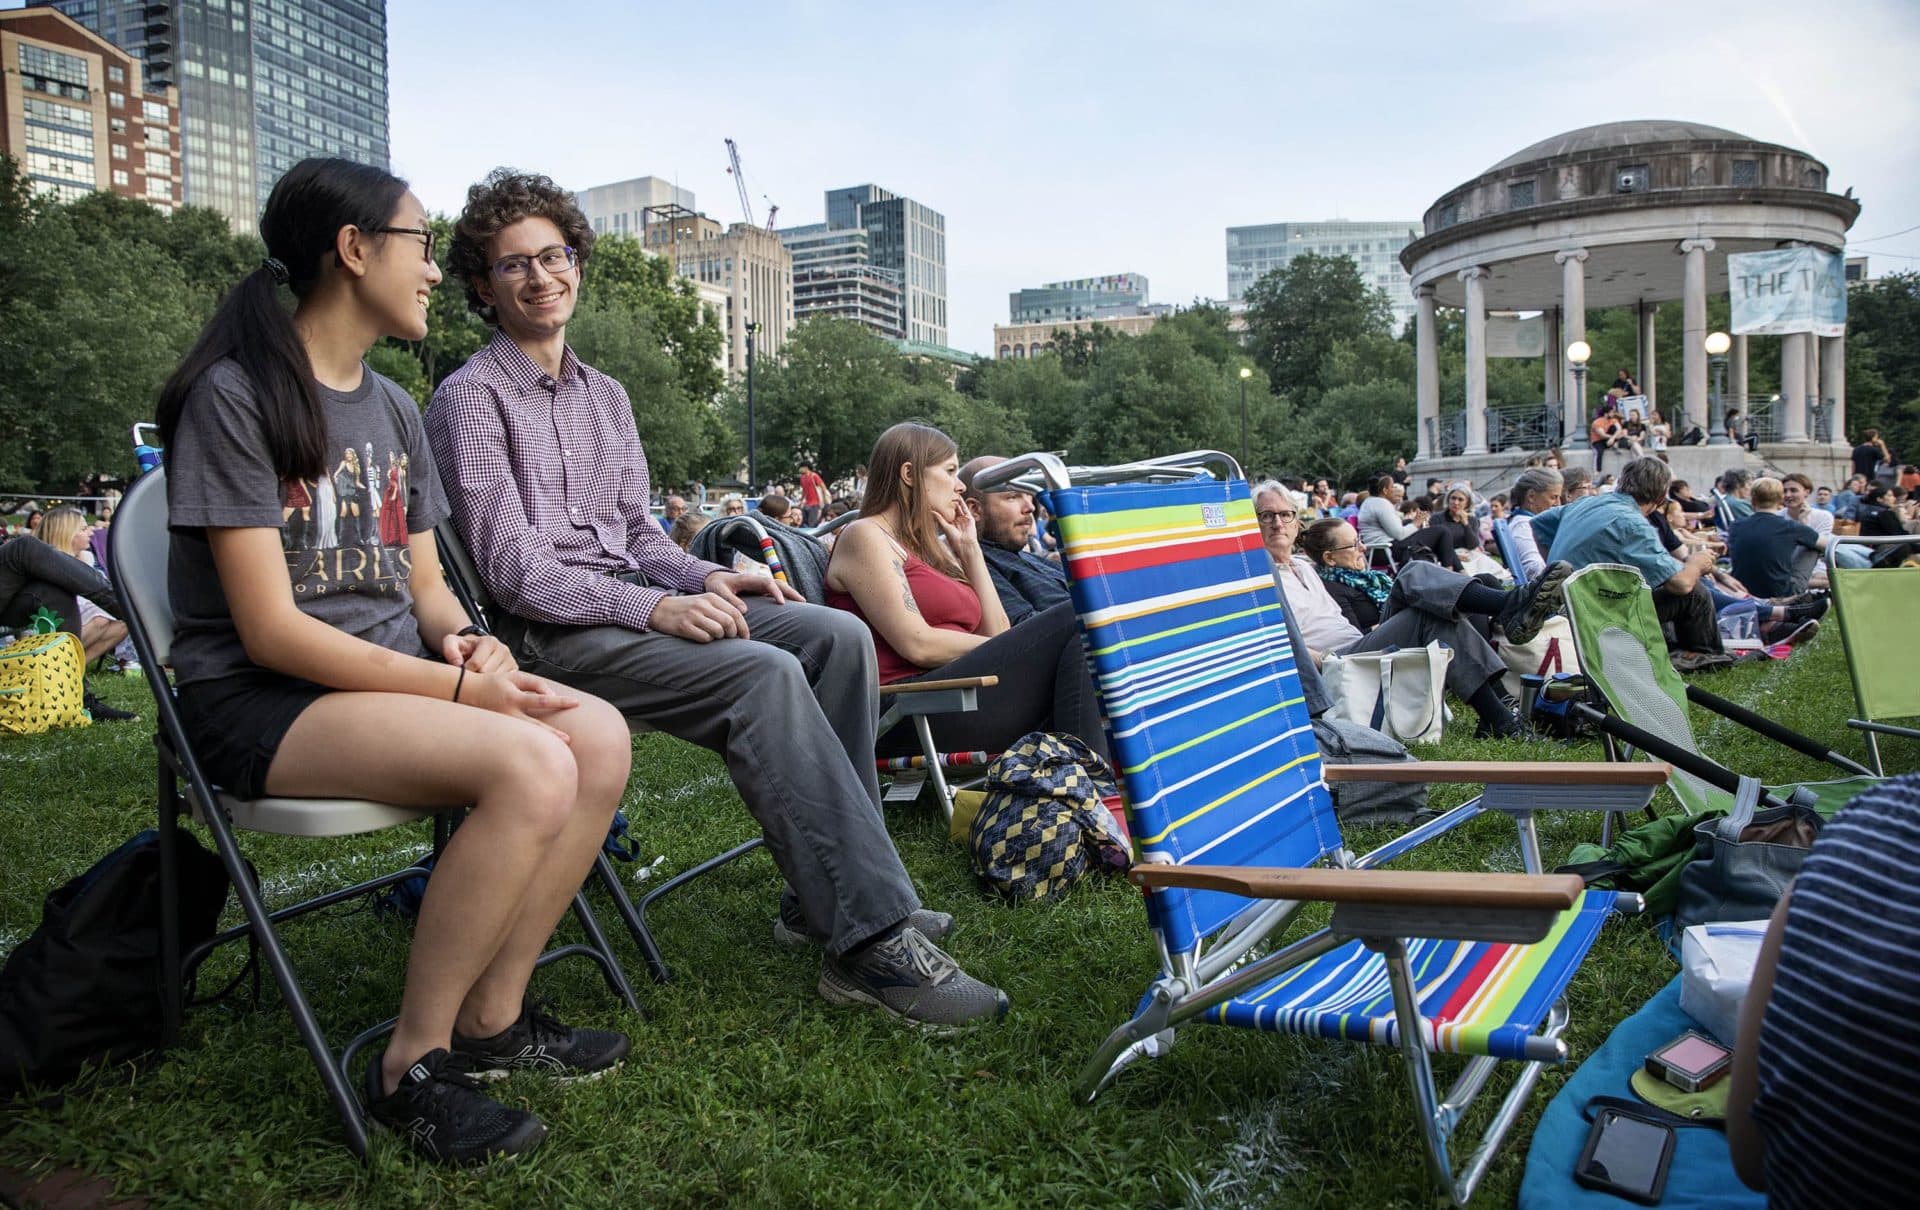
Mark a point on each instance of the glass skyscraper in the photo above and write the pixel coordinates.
(263, 84)
(911, 240)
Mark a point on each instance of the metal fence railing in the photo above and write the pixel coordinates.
(1528, 426)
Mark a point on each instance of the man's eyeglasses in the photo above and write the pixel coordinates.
(1273, 518)
(555, 260)
(427, 232)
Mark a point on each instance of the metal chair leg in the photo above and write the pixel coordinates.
(634, 916)
(173, 980)
(345, 1105)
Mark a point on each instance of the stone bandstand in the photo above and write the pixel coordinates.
(1628, 214)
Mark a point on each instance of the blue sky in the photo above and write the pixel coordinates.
(1068, 139)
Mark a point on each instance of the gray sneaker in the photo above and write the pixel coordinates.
(914, 979)
(790, 931)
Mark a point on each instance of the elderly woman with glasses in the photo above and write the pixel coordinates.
(1426, 603)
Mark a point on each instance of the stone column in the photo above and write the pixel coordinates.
(1573, 326)
(1648, 370)
(1475, 281)
(1790, 414)
(1426, 371)
(1550, 318)
(1813, 381)
(1737, 372)
(1693, 327)
(1833, 385)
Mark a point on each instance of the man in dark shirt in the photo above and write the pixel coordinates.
(1027, 583)
(1767, 546)
(1869, 454)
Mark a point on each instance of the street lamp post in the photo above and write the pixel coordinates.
(753, 468)
(1245, 374)
(1717, 345)
(1578, 354)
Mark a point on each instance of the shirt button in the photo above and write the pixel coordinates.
(566, 453)
(550, 384)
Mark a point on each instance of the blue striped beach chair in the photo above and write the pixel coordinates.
(1228, 804)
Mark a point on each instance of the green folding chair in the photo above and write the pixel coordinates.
(1875, 607)
(1643, 702)
(1227, 801)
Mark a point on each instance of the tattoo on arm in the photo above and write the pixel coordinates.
(906, 586)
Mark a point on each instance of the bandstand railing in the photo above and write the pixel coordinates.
(1526, 426)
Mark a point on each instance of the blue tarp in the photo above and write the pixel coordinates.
(1702, 1172)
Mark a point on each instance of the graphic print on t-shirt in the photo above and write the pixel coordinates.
(347, 530)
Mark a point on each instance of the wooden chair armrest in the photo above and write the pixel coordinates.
(964, 682)
(1508, 772)
(1394, 888)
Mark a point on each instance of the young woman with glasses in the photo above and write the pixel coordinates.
(349, 671)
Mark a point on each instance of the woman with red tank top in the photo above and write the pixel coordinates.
(912, 569)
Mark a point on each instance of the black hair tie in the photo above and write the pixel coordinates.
(278, 268)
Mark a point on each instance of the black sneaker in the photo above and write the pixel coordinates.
(790, 930)
(539, 1042)
(442, 1114)
(101, 712)
(909, 976)
(1528, 609)
(1807, 611)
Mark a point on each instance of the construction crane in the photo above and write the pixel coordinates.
(740, 182)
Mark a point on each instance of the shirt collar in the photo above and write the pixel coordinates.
(522, 370)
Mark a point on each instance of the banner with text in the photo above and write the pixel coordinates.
(1787, 290)
(1512, 336)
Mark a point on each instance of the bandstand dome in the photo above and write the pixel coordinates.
(1623, 214)
(1609, 135)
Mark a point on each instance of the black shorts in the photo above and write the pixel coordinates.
(236, 723)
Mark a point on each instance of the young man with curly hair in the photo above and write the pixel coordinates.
(550, 487)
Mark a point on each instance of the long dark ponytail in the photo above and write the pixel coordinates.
(252, 325)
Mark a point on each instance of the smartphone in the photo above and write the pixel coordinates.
(1626, 1155)
(1690, 1062)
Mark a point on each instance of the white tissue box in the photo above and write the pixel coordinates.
(1716, 966)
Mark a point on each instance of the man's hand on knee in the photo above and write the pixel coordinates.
(730, 585)
(701, 617)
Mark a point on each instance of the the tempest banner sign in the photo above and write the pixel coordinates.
(1787, 290)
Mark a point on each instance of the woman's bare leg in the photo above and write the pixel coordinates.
(520, 782)
(602, 750)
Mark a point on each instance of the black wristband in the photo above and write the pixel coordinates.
(463, 633)
(459, 681)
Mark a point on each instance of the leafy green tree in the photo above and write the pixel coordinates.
(92, 327)
(688, 331)
(1296, 314)
(1155, 394)
(685, 439)
(1036, 390)
(824, 399)
(1883, 362)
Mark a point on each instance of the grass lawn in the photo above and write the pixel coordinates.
(744, 1086)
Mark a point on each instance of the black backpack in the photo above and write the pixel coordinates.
(86, 985)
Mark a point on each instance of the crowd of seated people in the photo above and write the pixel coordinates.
(603, 617)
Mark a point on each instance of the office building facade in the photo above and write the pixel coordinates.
(1253, 252)
(749, 264)
(908, 238)
(620, 208)
(76, 117)
(834, 275)
(1082, 298)
(263, 85)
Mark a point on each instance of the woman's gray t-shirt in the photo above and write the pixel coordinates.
(345, 533)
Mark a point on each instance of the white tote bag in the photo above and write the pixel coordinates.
(1550, 651)
(1402, 693)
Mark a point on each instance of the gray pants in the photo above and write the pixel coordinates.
(793, 711)
(1424, 607)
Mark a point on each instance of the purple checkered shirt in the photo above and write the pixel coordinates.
(549, 490)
